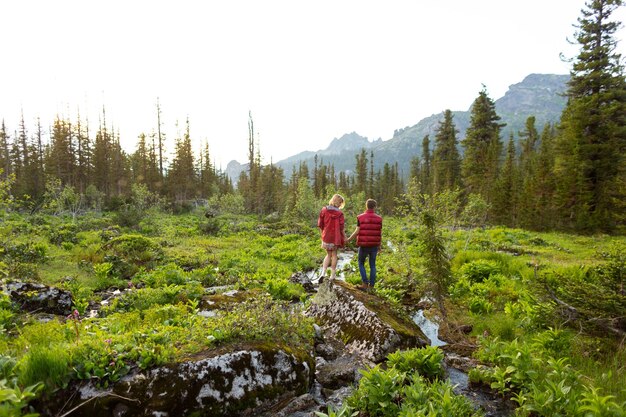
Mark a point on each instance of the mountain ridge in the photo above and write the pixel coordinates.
(539, 95)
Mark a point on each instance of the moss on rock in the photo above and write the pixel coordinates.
(367, 324)
(229, 381)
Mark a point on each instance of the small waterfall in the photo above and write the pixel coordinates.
(429, 328)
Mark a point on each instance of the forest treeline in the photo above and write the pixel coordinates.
(570, 175)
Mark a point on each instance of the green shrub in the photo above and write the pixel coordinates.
(379, 392)
(106, 277)
(127, 253)
(383, 393)
(479, 305)
(14, 400)
(427, 361)
(210, 227)
(24, 271)
(24, 252)
(128, 216)
(281, 289)
(479, 270)
(62, 234)
(6, 319)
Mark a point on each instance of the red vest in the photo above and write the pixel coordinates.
(331, 223)
(370, 229)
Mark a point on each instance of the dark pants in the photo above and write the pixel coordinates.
(370, 252)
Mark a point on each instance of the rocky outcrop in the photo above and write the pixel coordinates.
(365, 323)
(40, 298)
(237, 382)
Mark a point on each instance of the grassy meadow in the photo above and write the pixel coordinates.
(546, 309)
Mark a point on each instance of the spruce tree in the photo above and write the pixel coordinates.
(60, 162)
(182, 176)
(529, 138)
(361, 172)
(426, 169)
(5, 157)
(505, 198)
(446, 160)
(542, 210)
(482, 147)
(591, 144)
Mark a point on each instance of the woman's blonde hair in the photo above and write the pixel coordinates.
(337, 201)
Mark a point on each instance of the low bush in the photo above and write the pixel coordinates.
(281, 289)
(427, 361)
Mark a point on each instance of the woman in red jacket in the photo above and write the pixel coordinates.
(331, 224)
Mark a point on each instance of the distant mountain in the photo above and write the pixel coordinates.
(539, 95)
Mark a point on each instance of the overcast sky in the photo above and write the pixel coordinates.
(309, 71)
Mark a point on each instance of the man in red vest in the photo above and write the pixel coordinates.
(368, 232)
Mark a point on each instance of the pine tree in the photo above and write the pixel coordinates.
(140, 161)
(60, 161)
(120, 167)
(207, 176)
(83, 154)
(102, 157)
(591, 144)
(181, 176)
(426, 167)
(505, 198)
(23, 186)
(5, 157)
(482, 147)
(415, 169)
(446, 159)
(529, 138)
(38, 161)
(273, 190)
(370, 184)
(542, 212)
(361, 172)
(161, 141)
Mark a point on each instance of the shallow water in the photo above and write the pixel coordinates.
(343, 260)
(429, 328)
(491, 404)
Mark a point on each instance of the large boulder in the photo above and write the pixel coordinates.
(235, 382)
(370, 328)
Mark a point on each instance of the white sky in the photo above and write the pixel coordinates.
(309, 71)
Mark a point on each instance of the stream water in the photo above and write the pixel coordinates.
(491, 404)
(429, 328)
(343, 260)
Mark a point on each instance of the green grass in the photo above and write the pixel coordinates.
(156, 321)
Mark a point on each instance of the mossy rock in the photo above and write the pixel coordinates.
(365, 323)
(226, 300)
(232, 380)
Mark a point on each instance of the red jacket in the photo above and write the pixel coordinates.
(331, 223)
(370, 229)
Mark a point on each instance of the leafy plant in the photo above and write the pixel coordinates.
(427, 361)
(281, 289)
(14, 400)
(478, 270)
